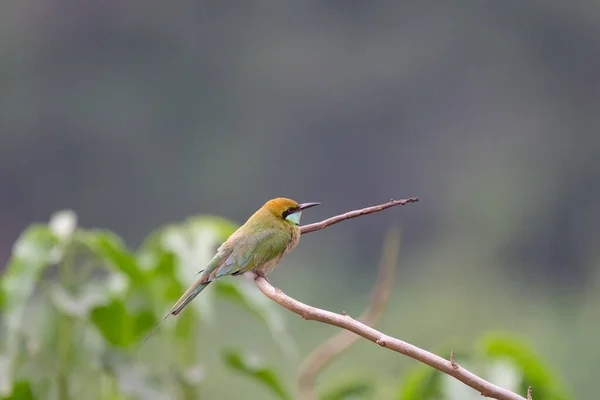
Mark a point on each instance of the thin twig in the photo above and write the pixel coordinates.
(353, 214)
(338, 343)
(529, 393)
(452, 361)
(307, 312)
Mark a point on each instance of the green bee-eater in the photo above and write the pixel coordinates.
(258, 245)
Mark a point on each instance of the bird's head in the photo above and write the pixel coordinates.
(287, 209)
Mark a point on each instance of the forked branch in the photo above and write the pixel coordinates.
(307, 312)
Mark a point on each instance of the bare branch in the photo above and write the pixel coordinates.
(529, 393)
(338, 343)
(307, 312)
(353, 214)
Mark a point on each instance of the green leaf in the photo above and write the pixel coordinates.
(254, 369)
(2, 299)
(90, 295)
(109, 248)
(196, 237)
(163, 275)
(245, 294)
(546, 383)
(421, 383)
(192, 244)
(34, 251)
(355, 389)
(120, 327)
(132, 380)
(21, 391)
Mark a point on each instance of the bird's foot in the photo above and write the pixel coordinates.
(262, 275)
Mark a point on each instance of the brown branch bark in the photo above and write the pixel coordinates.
(337, 344)
(353, 214)
(307, 312)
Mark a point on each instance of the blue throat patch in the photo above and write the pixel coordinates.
(294, 218)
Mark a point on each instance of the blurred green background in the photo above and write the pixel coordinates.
(136, 114)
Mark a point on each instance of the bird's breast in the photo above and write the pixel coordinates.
(294, 239)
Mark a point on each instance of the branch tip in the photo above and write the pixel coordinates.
(356, 213)
(529, 393)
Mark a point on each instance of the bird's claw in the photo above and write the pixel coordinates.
(261, 275)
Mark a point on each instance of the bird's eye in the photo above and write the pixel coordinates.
(287, 212)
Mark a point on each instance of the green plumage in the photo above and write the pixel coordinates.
(258, 245)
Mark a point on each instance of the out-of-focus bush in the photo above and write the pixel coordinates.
(77, 304)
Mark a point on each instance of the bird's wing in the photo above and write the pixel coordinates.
(246, 253)
(212, 270)
(237, 255)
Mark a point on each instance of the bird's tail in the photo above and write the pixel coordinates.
(188, 296)
(183, 301)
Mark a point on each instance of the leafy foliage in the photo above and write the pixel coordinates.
(21, 391)
(255, 369)
(119, 327)
(96, 303)
(243, 294)
(533, 371)
(76, 305)
(354, 388)
(499, 358)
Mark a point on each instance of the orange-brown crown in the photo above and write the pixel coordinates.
(281, 205)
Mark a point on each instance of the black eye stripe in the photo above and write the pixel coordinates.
(289, 211)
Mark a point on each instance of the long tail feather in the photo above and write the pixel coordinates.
(188, 296)
(156, 327)
(183, 301)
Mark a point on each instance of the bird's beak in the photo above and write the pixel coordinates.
(307, 205)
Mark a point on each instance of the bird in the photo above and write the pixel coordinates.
(258, 246)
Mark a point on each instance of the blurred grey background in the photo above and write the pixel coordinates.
(138, 113)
